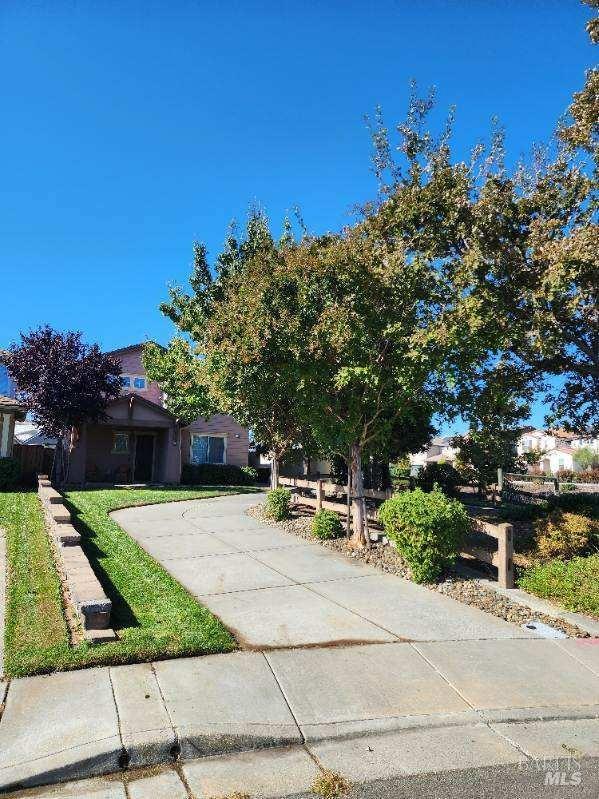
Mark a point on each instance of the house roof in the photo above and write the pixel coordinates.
(131, 347)
(439, 458)
(137, 398)
(10, 405)
(564, 449)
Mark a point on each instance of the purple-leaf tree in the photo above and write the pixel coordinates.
(63, 383)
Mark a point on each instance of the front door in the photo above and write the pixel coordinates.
(144, 458)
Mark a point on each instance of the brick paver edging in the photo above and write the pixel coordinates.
(82, 589)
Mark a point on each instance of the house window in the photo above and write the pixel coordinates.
(120, 444)
(208, 449)
(137, 381)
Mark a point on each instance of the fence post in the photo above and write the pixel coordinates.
(505, 555)
(500, 479)
(556, 485)
(319, 494)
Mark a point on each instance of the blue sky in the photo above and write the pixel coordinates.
(129, 129)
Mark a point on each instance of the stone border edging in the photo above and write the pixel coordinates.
(81, 588)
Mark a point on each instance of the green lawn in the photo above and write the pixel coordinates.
(153, 615)
(573, 583)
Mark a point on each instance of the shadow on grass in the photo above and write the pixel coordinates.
(122, 615)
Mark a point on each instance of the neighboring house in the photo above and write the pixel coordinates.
(10, 412)
(556, 448)
(30, 435)
(535, 440)
(438, 451)
(140, 441)
(558, 458)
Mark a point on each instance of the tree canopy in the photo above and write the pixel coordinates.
(63, 382)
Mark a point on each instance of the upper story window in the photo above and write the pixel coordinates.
(134, 381)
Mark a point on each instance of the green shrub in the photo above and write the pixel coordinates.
(216, 474)
(522, 513)
(10, 472)
(564, 535)
(278, 503)
(586, 504)
(427, 530)
(250, 473)
(574, 583)
(442, 474)
(326, 524)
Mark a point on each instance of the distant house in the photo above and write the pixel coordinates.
(439, 450)
(29, 434)
(556, 448)
(140, 441)
(11, 411)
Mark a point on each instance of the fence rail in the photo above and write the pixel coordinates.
(502, 558)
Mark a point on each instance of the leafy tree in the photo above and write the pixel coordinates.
(532, 261)
(64, 383)
(495, 401)
(179, 372)
(243, 324)
(585, 457)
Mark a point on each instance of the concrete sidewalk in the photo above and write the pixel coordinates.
(468, 699)
(273, 589)
(344, 668)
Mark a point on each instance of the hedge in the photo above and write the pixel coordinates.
(217, 474)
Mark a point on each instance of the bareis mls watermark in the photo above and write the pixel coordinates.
(563, 771)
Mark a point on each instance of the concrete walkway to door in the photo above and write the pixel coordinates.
(273, 589)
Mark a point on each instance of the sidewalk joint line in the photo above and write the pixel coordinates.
(177, 743)
(443, 677)
(573, 656)
(296, 722)
(125, 754)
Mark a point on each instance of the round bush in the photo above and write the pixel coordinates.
(427, 529)
(278, 503)
(9, 473)
(326, 524)
(564, 535)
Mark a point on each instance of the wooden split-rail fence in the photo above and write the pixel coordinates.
(502, 558)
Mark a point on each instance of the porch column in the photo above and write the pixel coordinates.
(5, 442)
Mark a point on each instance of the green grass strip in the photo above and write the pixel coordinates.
(154, 616)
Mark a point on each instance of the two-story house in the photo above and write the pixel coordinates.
(140, 441)
(439, 450)
(556, 448)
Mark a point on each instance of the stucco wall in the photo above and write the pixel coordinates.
(131, 364)
(220, 424)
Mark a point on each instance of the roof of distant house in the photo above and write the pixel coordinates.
(30, 434)
(563, 448)
(131, 347)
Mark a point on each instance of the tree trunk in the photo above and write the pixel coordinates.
(60, 467)
(274, 471)
(358, 504)
(348, 524)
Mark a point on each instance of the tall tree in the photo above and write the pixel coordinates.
(495, 401)
(64, 383)
(179, 371)
(242, 321)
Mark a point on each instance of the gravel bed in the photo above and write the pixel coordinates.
(387, 559)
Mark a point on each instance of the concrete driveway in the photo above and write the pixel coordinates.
(273, 589)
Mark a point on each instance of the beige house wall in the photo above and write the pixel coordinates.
(237, 438)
